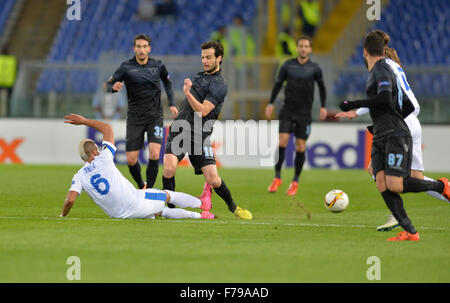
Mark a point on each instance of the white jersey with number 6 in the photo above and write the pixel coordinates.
(106, 186)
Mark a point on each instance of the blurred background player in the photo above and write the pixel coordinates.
(205, 95)
(392, 142)
(300, 74)
(411, 120)
(109, 106)
(309, 12)
(286, 47)
(142, 76)
(220, 35)
(146, 10)
(113, 193)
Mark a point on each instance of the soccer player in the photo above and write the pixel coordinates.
(116, 196)
(300, 74)
(142, 76)
(190, 132)
(392, 143)
(411, 120)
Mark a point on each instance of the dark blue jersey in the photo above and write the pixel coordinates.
(143, 88)
(299, 90)
(387, 116)
(211, 87)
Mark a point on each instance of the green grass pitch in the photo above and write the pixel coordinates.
(289, 239)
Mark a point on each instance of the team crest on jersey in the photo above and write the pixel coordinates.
(153, 71)
(204, 82)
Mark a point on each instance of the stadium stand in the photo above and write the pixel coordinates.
(5, 10)
(110, 26)
(429, 38)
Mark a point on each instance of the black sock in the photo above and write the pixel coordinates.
(135, 172)
(299, 161)
(395, 203)
(413, 185)
(281, 154)
(152, 172)
(169, 184)
(225, 194)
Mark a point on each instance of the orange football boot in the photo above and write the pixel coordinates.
(292, 190)
(274, 185)
(446, 191)
(405, 236)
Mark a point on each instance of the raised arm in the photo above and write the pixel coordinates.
(104, 128)
(382, 78)
(383, 98)
(204, 108)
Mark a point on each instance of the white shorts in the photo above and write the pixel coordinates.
(416, 133)
(152, 203)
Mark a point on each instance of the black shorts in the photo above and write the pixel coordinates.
(135, 134)
(392, 154)
(301, 128)
(200, 153)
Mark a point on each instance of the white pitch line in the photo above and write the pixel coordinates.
(210, 222)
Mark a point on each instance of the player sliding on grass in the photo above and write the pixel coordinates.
(392, 143)
(103, 182)
(411, 120)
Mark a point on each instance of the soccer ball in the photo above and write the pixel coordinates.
(336, 200)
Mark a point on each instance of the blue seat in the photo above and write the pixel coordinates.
(420, 34)
(107, 26)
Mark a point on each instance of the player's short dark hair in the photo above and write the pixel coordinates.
(305, 38)
(382, 34)
(142, 37)
(374, 44)
(217, 46)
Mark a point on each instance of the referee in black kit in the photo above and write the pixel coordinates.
(300, 74)
(142, 76)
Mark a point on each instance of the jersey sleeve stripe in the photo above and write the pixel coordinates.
(156, 196)
(111, 147)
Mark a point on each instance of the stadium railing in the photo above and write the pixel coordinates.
(52, 89)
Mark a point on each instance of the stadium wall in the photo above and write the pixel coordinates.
(236, 144)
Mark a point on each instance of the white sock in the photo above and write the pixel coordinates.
(435, 194)
(178, 213)
(184, 200)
